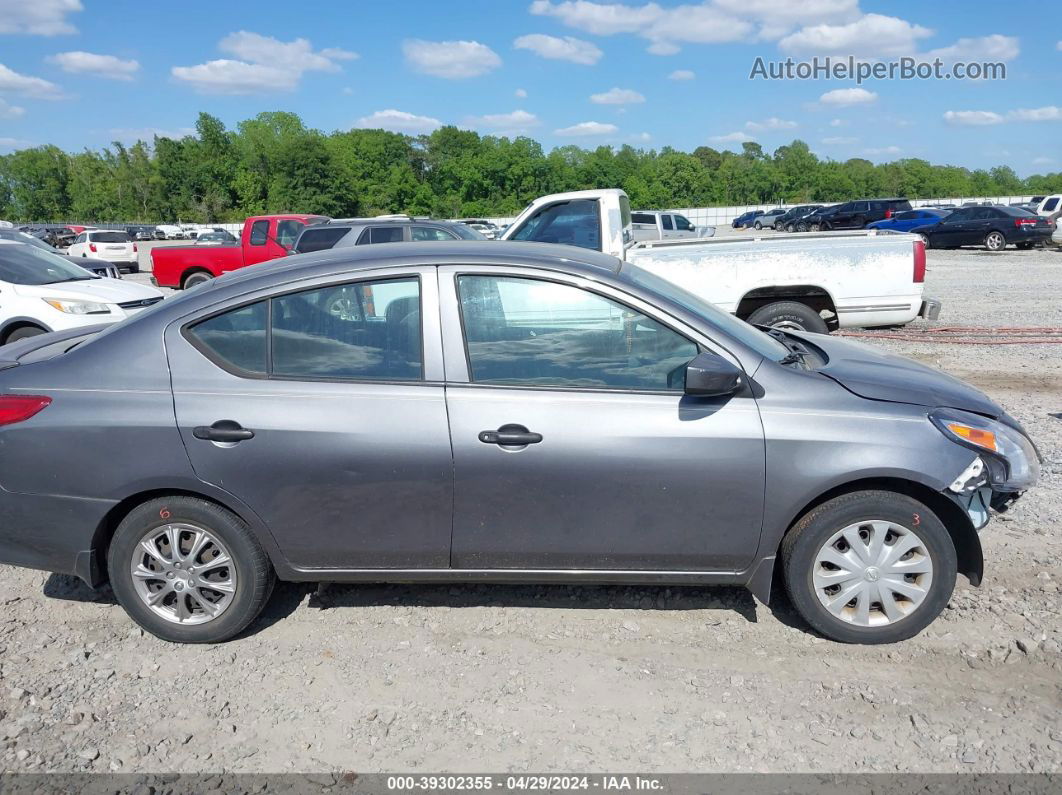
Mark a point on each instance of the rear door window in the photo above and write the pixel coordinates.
(381, 234)
(320, 239)
(643, 218)
(429, 233)
(666, 221)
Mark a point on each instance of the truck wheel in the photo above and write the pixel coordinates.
(194, 278)
(994, 241)
(789, 315)
(188, 571)
(869, 567)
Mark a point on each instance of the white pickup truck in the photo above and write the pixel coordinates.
(663, 225)
(814, 282)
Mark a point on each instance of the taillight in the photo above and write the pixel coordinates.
(919, 262)
(18, 408)
(92, 247)
(1019, 222)
(134, 248)
(888, 214)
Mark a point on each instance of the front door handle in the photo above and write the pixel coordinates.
(223, 431)
(510, 436)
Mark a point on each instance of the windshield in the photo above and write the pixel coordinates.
(740, 330)
(20, 264)
(109, 237)
(465, 232)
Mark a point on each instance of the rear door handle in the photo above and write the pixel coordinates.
(223, 431)
(510, 436)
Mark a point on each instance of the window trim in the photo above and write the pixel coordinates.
(546, 387)
(186, 331)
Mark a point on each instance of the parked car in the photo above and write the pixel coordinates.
(55, 236)
(158, 233)
(789, 218)
(275, 439)
(745, 219)
(813, 221)
(1049, 204)
(97, 266)
(814, 284)
(138, 232)
(264, 237)
(857, 214)
(655, 225)
(107, 244)
(44, 292)
(1056, 236)
(172, 231)
(361, 232)
(768, 218)
(217, 238)
(908, 220)
(992, 227)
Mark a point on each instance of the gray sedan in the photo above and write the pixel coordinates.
(493, 412)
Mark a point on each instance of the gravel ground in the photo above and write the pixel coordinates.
(472, 678)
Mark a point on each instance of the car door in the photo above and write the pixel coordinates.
(320, 405)
(842, 217)
(667, 227)
(951, 229)
(611, 467)
(976, 226)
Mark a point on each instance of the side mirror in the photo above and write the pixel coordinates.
(709, 375)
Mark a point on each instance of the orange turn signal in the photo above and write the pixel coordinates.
(978, 436)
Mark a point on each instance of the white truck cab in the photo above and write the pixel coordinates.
(663, 225)
(815, 282)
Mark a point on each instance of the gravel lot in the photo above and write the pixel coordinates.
(433, 678)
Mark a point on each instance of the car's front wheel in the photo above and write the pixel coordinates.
(994, 241)
(188, 571)
(869, 567)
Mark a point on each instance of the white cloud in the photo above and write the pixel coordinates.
(665, 28)
(134, 134)
(617, 96)
(263, 64)
(778, 17)
(1047, 113)
(838, 123)
(642, 136)
(10, 111)
(40, 17)
(871, 35)
(398, 121)
(773, 123)
(839, 140)
(885, 150)
(681, 74)
(586, 128)
(515, 123)
(732, 138)
(109, 66)
(297, 55)
(14, 143)
(994, 47)
(453, 60)
(1043, 161)
(972, 118)
(520, 93)
(11, 82)
(848, 96)
(567, 49)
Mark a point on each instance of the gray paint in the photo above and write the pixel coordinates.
(357, 481)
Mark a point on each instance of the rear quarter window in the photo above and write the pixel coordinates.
(320, 239)
(236, 339)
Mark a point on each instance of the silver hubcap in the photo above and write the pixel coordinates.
(183, 573)
(788, 325)
(343, 307)
(994, 241)
(872, 573)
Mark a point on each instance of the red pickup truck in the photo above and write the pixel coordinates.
(264, 237)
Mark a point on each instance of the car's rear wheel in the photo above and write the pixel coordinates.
(758, 226)
(994, 241)
(814, 227)
(790, 315)
(925, 241)
(188, 571)
(789, 228)
(869, 567)
(23, 332)
(194, 278)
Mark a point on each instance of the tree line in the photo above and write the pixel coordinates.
(274, 163)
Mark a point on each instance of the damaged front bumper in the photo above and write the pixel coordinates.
(973, 491)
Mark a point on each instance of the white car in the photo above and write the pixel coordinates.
(41, 292)
(109, 244)
(1050, 205)
(172, 232)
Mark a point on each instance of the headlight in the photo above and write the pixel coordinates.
(1012, 461)
(77, 307)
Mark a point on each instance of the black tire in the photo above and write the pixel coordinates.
(803, 541)
(254, 572)
(995, 241)
(194, 278)
(789, 313)
(802, 227)
(790, 228)
(814, 227)
(134, 269)
(758, 226)
(23, 332)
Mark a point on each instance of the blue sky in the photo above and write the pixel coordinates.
(81, 73)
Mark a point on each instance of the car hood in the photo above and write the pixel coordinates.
(875, 375)
(111, 291)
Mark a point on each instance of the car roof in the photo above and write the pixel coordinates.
(552, 256)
